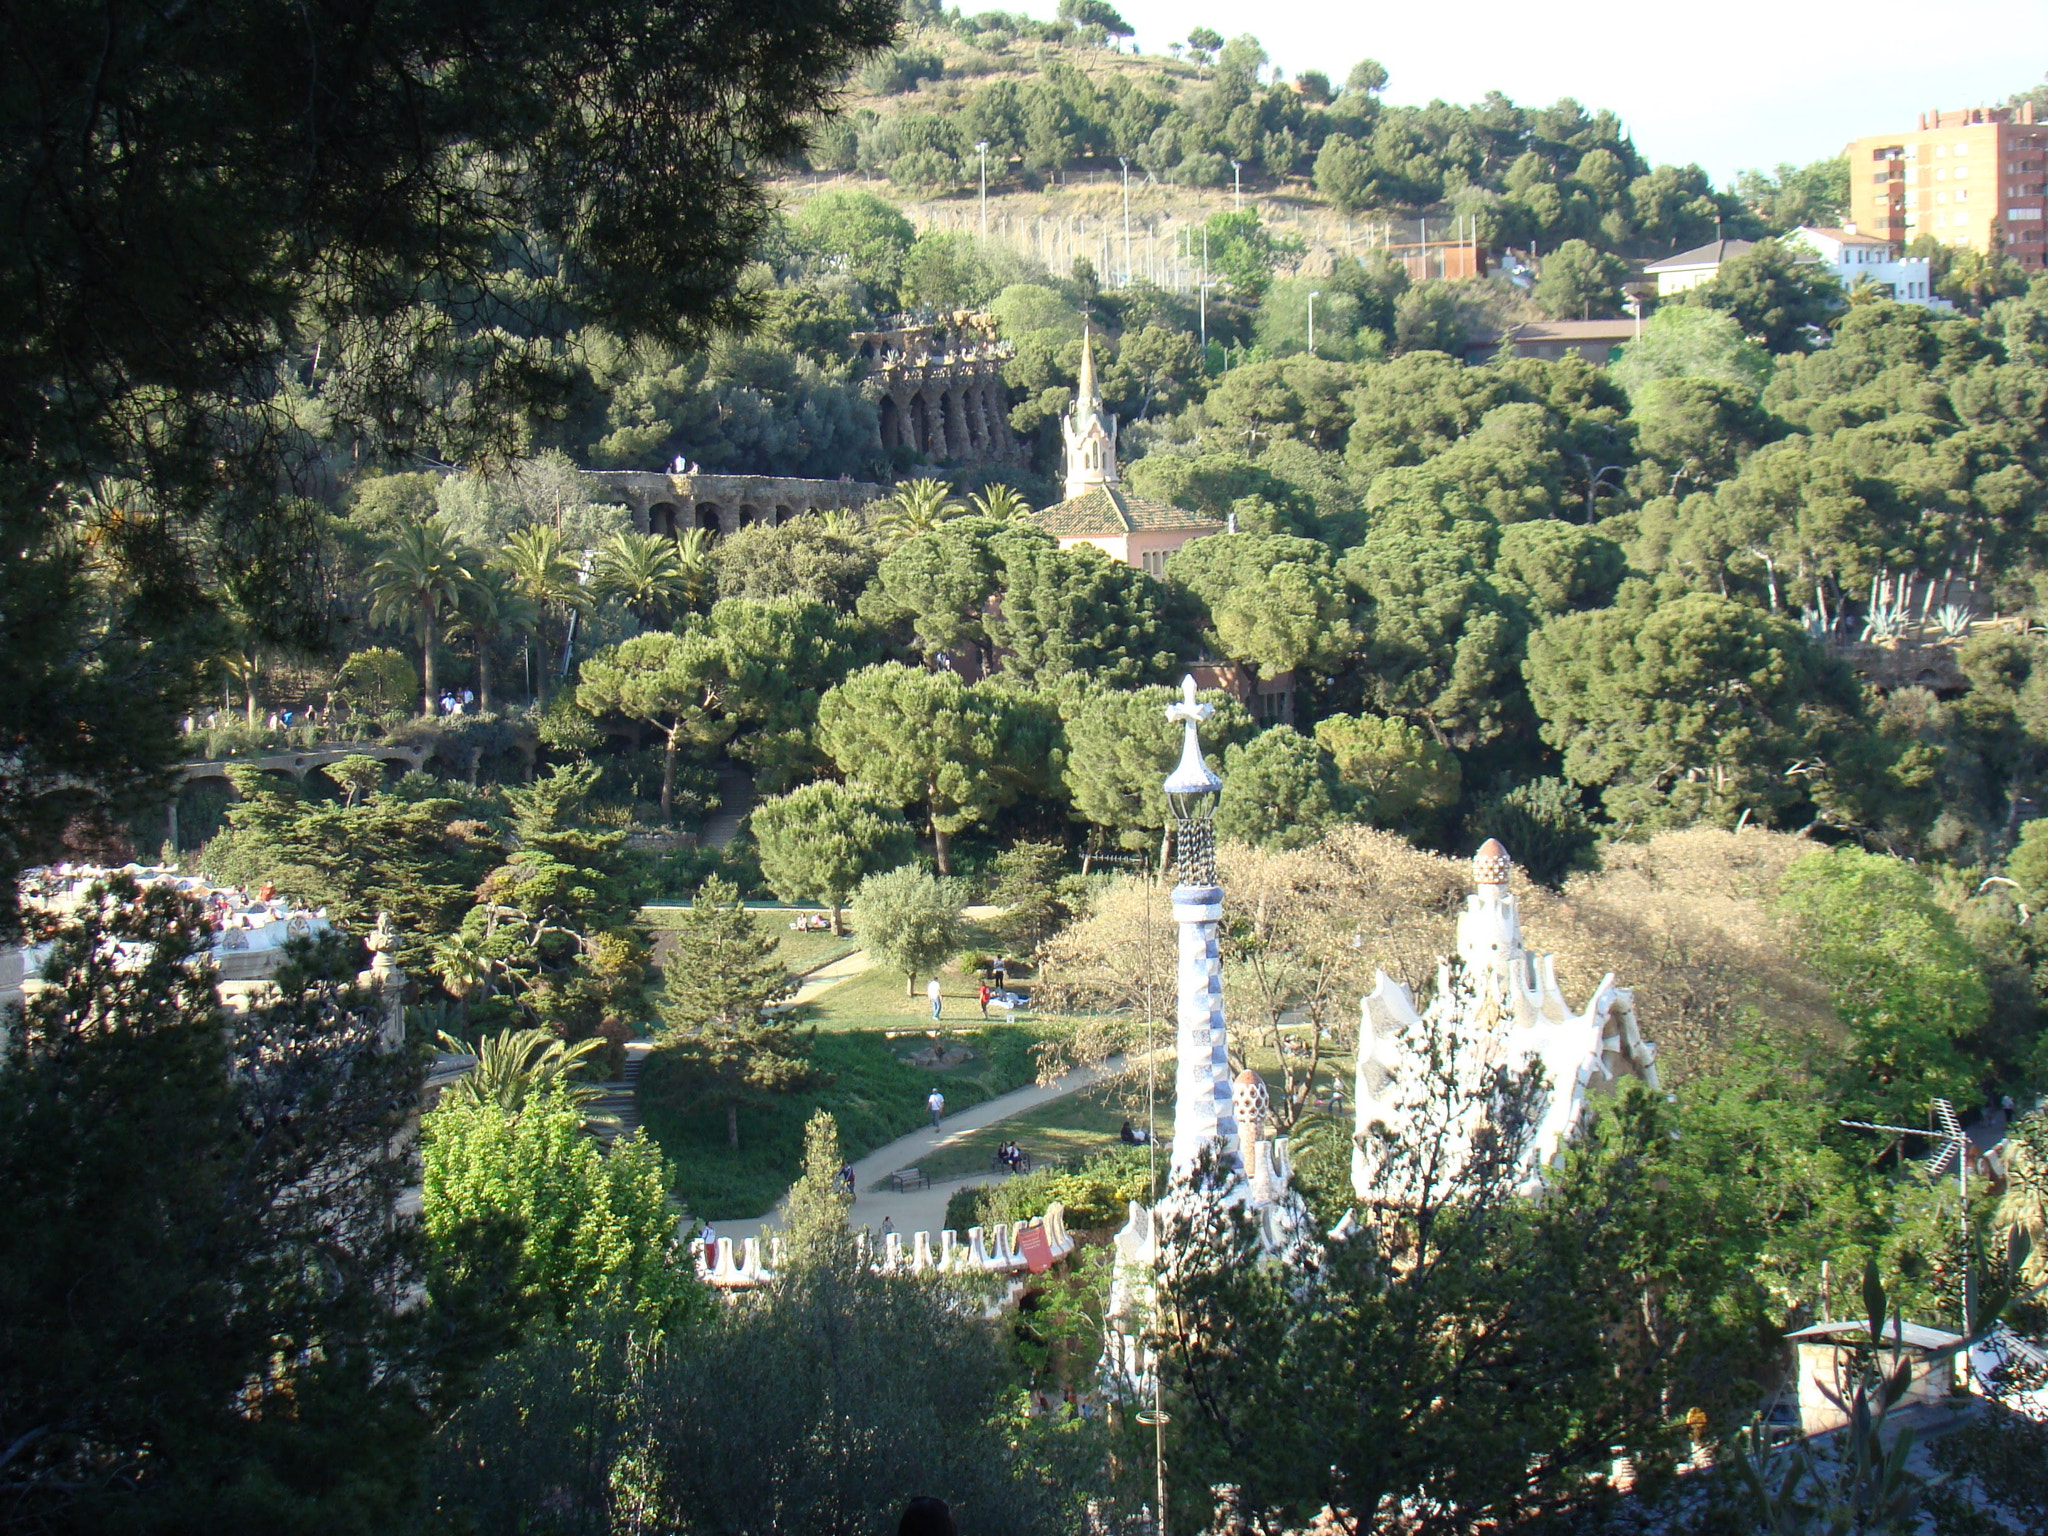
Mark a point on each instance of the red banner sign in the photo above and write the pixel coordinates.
(1033, 1248)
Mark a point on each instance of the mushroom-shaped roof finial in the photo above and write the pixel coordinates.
(1490, 865)
(1252, 1100)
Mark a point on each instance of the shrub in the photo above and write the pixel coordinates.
(894, 73)
(963, 1207)
(1543, 826)
(924, 171)
(1097, 1194)
(378, 681)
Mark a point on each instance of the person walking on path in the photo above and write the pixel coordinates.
(937, 1105)
(932, 992)
(984, 995)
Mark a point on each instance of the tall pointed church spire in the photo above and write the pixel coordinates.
(1089, 430)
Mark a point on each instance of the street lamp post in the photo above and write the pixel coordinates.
(1314, 294)
(981, 149)
(1236, 186)
(1202, 289)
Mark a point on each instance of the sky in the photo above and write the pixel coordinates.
(1734, 85)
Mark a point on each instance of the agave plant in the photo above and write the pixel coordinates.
(1885, 622)
(1954, 620)
(843, 521)
(1815, 623)
(517, 1064)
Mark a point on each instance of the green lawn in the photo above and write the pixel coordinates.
(875, 1095)
(801, 952)
(1066, 1132)
(877, 998)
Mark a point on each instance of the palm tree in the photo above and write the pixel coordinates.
(1002, 502)
(918, 506)
(518, 1064)
(542, 570)
(843, 521)
(644, 571)
(246, 668)
(693, 554)
(2024, 1207)
(420, 576)
(492, 608)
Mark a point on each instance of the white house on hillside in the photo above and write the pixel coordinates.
(1688, 269)
(1854, 257)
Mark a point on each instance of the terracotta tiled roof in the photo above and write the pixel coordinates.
(1108, 510)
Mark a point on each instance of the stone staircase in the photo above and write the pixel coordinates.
(735, 800)
(621, 1099)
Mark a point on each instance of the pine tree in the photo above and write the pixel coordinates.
(818, 842)
(814, 1215)
(720, 977)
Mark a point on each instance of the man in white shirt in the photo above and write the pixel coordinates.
(932, 992)
(937, 1105)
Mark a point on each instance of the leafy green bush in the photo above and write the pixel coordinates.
(377, 681)
(1096, 1194)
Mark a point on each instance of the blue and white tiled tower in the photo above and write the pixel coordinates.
(1203, 1111)
(1230, 1120)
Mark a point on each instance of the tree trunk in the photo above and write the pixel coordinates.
(910, 984)
(942, 849)
(838, 927)
(249, 694)
(483, 676)
(668, 782)
(429, 694)
(732, 1122)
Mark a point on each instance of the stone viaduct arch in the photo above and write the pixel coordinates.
(721, 504)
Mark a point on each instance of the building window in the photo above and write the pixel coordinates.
(1963, 148)
(1153, 562)
(1962, 171)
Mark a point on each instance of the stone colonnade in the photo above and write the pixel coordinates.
(951, 412)
(721, 504)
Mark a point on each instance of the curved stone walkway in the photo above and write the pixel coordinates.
(924, 1210)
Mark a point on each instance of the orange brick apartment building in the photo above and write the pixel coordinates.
(1971, 178)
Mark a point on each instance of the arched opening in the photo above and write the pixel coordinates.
(662, 519)
(705, 516)
(749, 514)
(781, 515)
(892, 423)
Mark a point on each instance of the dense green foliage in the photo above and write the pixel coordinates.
(210, 1320)
(595, 1229)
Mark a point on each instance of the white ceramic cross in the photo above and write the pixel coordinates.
(1189, 708)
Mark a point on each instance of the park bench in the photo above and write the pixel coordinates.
(909, 1178)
